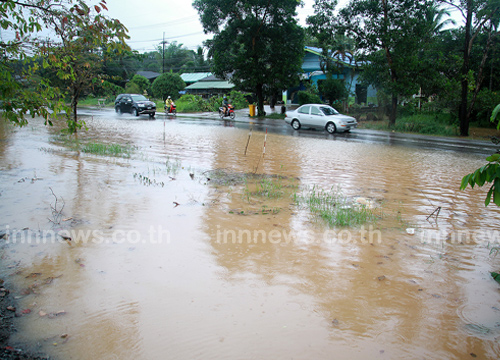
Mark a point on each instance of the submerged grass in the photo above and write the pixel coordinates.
(107, 149)
(334, 208)
(267, 187)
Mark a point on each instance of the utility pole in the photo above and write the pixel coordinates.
(163, 53)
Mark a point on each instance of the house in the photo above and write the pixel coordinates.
(348, 70)
(210, 86)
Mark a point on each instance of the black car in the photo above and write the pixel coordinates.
(134, 104)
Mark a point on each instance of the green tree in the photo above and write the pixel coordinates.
(84, 35)
(392, 32)
(143, 84)
(333, 89)
(21, 93)
(168, 84)
(480, 16)
(256, 43)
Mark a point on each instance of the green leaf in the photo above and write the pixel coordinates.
(492, 158)
(465, 181)
(488, 197)
(494, 114)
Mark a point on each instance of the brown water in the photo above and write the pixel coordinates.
(191, 293)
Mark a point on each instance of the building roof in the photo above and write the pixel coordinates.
(150, 75)
(194, 77)
(205, 85)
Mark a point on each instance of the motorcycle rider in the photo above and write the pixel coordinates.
(225, 105)
(168, 104)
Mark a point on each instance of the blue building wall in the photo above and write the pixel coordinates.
(311, 64)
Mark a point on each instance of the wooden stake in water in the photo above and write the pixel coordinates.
(163, 130)
(265, 139)
(248, 141)
(263, 153)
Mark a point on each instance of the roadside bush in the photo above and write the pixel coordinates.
(168, 84)
(306, 97)
(111, 90)
(142, 83)
(195, 103)
(132, 88)
(238, 99)
(485, 103)
(431, 124)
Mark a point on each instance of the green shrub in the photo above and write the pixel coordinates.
(238, 99)
(485, 103)
(306, 97)
(431, 124)
(132, 88)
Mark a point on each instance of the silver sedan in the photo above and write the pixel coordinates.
(321, 117)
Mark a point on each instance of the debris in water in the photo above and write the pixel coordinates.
(381, 278)
(410, 231)
(42, 313)
(32, 275)
(192, 176)
(176, 204)
(335, 322)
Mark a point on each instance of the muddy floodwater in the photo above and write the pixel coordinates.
(174, 253)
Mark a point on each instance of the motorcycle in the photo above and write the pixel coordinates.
(229, 112)
(172, 111)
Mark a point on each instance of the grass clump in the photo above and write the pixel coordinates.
(271, 188)
(334, 208)
(428, 124)
(107, 149)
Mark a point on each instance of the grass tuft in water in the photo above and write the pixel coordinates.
(107, 149)
(334, 208)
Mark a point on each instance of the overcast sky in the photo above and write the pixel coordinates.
(147, 20)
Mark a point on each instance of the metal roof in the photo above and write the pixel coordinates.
(205, 85)
(194, 77)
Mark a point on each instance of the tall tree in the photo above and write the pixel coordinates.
(479, 16)
(258, 43)
(83, 33)
(85, 36)
(392, 31)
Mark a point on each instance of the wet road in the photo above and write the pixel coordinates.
(242, 121)
(176, 256)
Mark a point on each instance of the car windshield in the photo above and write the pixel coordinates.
(139, 98)
(327, 110)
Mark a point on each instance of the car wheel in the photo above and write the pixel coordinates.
(136, 112)
(331, 128)
(152, 115)
(296, 124)
(118, 110)
(231, 116)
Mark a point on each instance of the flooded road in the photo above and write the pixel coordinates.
(175, 255)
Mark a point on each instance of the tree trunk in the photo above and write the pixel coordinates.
(394, 110)
(463, 114)
(260, 100)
